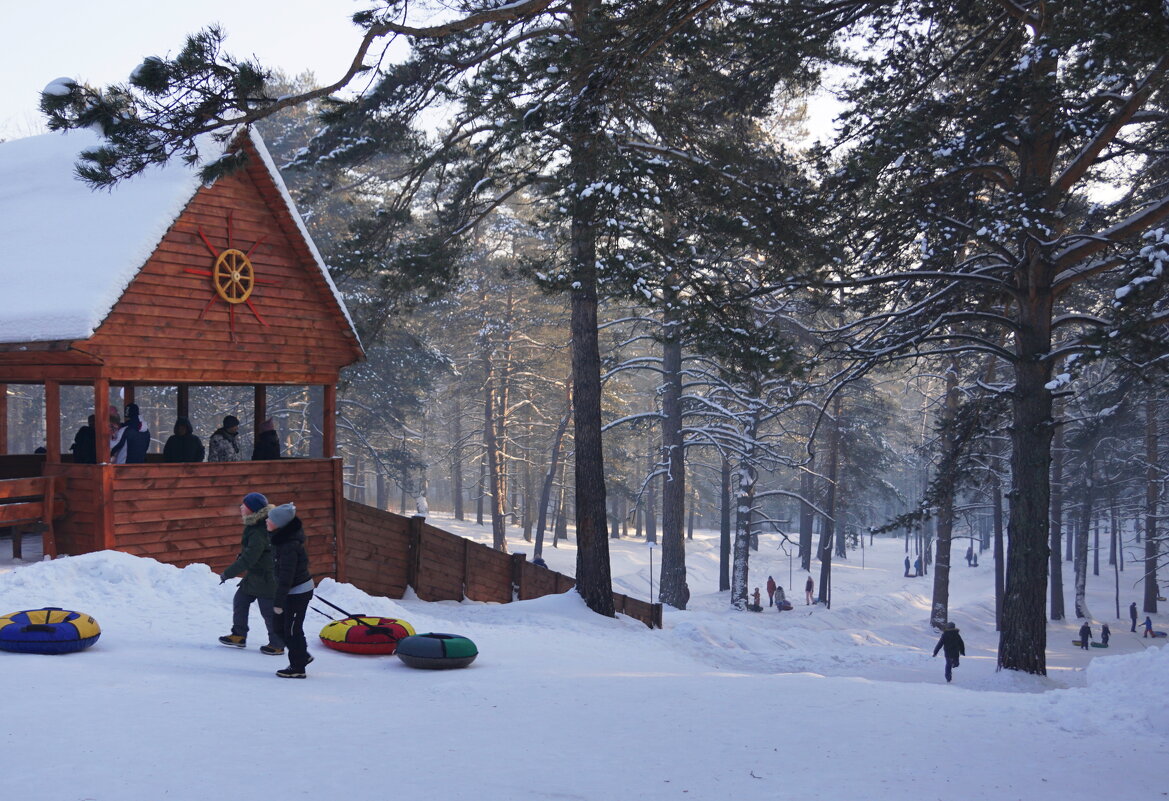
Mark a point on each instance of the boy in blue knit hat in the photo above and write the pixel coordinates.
(259, 585)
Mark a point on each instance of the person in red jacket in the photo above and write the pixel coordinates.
(770, 591)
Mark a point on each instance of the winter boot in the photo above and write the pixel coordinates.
(289, 673)
(234, 640)
(271, 650)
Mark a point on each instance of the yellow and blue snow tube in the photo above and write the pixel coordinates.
(47, 631)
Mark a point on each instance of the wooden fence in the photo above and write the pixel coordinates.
(384, 553)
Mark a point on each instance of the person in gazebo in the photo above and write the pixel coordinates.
(183, 445)
(130, 443)
(224, 443)
(267, 442)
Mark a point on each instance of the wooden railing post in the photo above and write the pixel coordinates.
(3, 418)
(517, 575)
(101, 419)
(52, 422)
(414, 559)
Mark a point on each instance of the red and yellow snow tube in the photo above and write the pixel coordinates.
(47, 631)
(366, 635)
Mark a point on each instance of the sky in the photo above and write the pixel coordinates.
(814, 704)
(101, 42)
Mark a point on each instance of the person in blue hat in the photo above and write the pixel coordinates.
(259, 584)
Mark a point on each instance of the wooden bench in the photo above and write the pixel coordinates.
(26, 501)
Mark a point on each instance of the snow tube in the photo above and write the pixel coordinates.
(432, 651)
(1099, 645)
(47, 631)
(366, 634)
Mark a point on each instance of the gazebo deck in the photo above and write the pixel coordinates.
(187, 512)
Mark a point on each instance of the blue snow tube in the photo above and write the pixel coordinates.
(47, 631)
(432, 651)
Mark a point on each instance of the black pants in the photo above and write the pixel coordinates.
(291, 623)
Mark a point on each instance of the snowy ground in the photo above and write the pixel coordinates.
(840, 704)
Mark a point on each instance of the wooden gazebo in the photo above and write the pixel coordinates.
(165, 282)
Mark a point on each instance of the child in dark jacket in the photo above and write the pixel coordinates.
(294, 586)
(951, 642)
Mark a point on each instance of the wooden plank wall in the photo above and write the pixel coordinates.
(184, 513)
(79, 486)
(377, 550)
(385, 552)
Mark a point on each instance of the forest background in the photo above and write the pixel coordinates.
(602, 274)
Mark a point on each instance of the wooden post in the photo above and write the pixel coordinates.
(261, 406)
(49, 537)
(3, 418)
(127, 396)
(105, 520)
(101, 419)
(52, 422)
(517, 576)
(414, 559)
(184, 401)
(339, 521)
(329, 422)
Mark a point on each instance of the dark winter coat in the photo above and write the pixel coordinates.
(84, 446)
(951, 642)
(135, 439)
(291, 559)
(1085, 633)
(224, 447)
(183, 445)
(267, 446)
(255, 557)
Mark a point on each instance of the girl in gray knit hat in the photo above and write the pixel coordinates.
(294, 586)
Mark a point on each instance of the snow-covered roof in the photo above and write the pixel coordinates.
(71, 251)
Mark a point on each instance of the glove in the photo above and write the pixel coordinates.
(279, 610)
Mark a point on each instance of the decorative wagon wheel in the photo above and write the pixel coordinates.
(233, 276)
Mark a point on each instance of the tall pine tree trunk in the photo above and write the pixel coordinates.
(550, 476)
(672, 589)
(807, 513)
(828, 524)
(1057, 459)
(1083, 526)
(593, 578)
(724, 538)
(495, 487)
(940, 613)
(457, 458)
(1023, 639)
(1152, 499)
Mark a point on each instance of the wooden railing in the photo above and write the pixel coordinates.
(384, 553)
(30, 500)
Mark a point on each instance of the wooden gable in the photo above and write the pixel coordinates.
(171, 325)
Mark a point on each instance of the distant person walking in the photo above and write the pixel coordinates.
(770, 591)
(907, 566)
(1105, 634)
(1085, 635)
(970, 556)
(1148, 626)
(809, 587)
(1132, 614)
(951, 643)
(917, 567)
